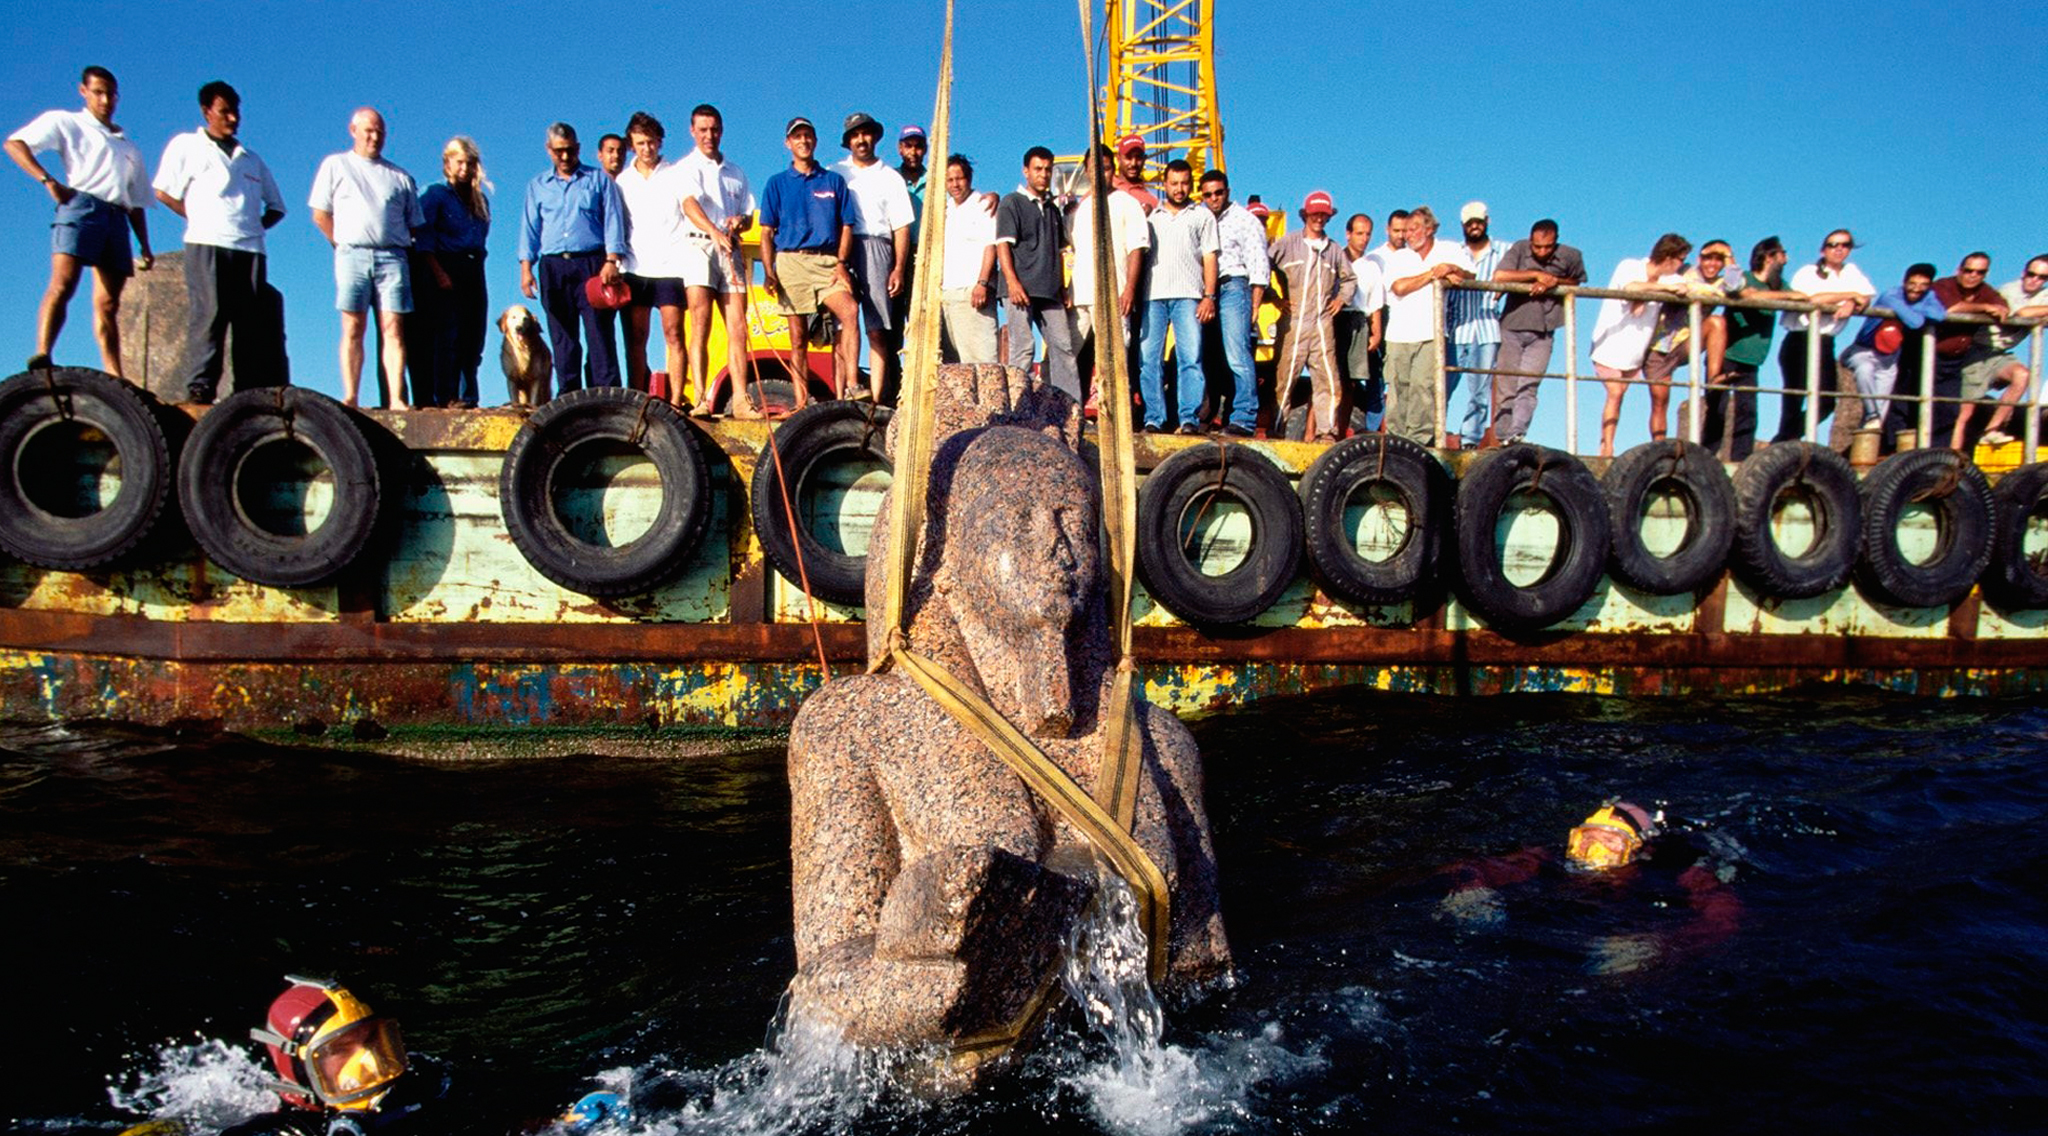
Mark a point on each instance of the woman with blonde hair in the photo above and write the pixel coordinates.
(452, 310)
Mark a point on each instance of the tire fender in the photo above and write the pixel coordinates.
(1580, 559)
(810, 439)
(2013, 581)
(1830, 485)
(1399, 472)
(1956, 490)
(37, 527)
(540, 455)
(1175, 494)
(1694, 475)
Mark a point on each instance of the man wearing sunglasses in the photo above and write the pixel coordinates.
(1992, 361)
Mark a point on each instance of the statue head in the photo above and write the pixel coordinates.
(1022, 568)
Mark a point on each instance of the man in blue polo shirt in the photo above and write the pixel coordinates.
(806, 236)
(574, 224)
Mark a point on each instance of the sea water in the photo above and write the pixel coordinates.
(549, 927)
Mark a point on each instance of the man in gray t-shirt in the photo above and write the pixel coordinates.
(1185, 250)
(1528, 323)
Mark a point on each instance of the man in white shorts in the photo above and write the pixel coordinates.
(719, 204)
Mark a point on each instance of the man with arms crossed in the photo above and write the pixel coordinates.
(102, 196)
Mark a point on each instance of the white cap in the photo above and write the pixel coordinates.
(1473, 211)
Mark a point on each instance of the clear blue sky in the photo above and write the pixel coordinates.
(1922, 127)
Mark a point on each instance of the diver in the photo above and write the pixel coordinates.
(341, 1069)
(1621, 844)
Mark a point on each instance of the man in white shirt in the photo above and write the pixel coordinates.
(1412, 307)
(881, 242)
(367, 209)
(1361, 324)
(967, 291)
(653, 191)
(104, 191)
(719, 205)
(1130, 241)
(1243, 270)
(228, 200)
(1185, 247)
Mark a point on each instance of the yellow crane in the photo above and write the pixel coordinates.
(1159, 80)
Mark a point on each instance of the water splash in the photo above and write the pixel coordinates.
(209, 1085)
(1132, 1079)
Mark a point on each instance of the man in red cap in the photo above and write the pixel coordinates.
(1316, 282)
(1130, 171)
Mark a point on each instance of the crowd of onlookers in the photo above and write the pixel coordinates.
(1353, 333)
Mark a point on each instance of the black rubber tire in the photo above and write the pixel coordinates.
(2012, 581)
(211, 470)
(34, 401)
(1961, 497)
(819, 433)
(539, 455)
(1761, 478)
(1693, 474)
(1392, 464)
(1188, 481)
(1581, 510)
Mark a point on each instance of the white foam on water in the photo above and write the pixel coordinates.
(209, 1084)
(1135, 1082)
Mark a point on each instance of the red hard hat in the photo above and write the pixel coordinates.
(1890, 335)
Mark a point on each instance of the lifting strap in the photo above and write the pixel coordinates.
(1107, 821)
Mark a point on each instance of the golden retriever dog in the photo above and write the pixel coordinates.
(529, 365)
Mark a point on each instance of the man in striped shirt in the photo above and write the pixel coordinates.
(1475, 328)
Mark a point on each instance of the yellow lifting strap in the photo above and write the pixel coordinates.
(1106, 821)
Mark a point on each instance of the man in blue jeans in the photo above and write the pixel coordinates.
(1475, 328)
(1185, 247)
(1242, 273)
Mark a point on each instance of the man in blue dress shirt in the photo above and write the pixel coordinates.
(574, 224)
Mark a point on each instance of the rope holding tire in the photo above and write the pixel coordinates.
(1399, 474)
(39, 524)
(1829, 485)
(2015, 579)
(1577, 563)
(808, 441)
(1695, 478)
(1174, 500)
(216, 480)
(539, 461)
(1959, 502)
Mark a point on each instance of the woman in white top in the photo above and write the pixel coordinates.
(1829, 280)
(1621, 336)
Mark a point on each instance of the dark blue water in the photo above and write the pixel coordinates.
(1874, 960)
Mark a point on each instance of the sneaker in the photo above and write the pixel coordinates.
(1154, 428)
(859, 393)
(1996, 438)
(1236, 431)
(39, 362)
(1192, 428)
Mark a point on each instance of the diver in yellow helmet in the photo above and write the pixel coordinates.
(341, 1069)
(1676, 893)
(1612, 837)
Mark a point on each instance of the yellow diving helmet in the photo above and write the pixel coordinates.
(1611, 837)
(329, 1049)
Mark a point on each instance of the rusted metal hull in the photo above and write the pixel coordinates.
(450, 626)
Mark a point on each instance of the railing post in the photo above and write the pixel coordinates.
(2033, 434)
(1813, 377)
(1695, 414)
(1926, 423)
(1437, 293)
(1571, 373)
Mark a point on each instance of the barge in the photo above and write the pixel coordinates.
(440, 613)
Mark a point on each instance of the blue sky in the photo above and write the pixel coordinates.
(1922, 127)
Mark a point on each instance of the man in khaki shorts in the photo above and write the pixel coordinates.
(806, 235)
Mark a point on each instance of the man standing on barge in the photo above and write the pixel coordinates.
(102, 196)
(574, 224)
(367, 209)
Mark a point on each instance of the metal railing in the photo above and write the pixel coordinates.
(1696, 385)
